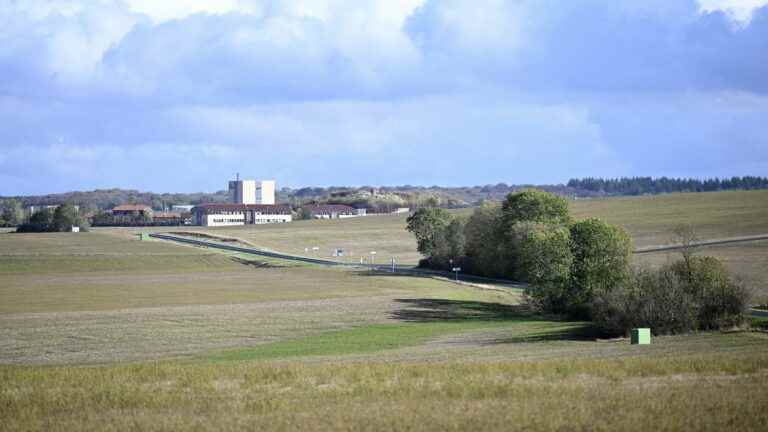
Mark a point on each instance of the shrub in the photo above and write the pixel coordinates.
(698, 294)
(722, 302)
(647, 298)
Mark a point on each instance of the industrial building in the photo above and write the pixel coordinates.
(252, 191)
(214, 215)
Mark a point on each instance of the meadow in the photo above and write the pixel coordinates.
(100, 331)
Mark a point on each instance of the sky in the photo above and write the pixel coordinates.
(179, 96)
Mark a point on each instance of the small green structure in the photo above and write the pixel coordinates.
(144, 236)
(641, 336)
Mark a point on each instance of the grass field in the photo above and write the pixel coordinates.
(712, 393)
(651, 219)
(101, 331)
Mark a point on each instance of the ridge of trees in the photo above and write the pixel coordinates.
(387, 198)
(651, 185)
(62, 219)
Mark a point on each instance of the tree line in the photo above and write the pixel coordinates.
(62, 219)
(580, 269)
(650, 185)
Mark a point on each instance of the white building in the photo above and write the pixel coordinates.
(332, 211)
(214, 215)
(252, 191)
(182, 208)
(36, 208)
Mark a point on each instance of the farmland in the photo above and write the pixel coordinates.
(102, 331)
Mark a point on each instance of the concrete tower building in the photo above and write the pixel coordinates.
(265, 192)
(252, 191)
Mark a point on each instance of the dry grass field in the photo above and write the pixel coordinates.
(715, 392)
(650, 219)
(99, 331)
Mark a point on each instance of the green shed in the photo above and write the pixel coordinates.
(641, 336)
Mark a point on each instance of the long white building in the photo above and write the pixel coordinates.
(214, 215)
(252, 191)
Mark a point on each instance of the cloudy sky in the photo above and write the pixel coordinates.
(180, 95)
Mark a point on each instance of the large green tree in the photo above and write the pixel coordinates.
(483, 247)
(601, 257)
(426, 224)
(11, 212)
(65, 217)
(534, 205)
(449, 244)
(544, 260)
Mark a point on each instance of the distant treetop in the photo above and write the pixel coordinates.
(650, 185)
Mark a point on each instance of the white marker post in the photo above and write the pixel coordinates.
(373, 260)
(457, 270)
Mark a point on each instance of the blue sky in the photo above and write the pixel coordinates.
(180, 95)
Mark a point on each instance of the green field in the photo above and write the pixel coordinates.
(102, 331)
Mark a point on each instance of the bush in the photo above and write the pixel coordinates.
(647, 298)
(696, 295)
(722, 302)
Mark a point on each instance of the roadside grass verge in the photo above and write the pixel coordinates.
(702, 392)
(759, 322)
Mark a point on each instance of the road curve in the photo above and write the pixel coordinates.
(331, 263)
(407, 269)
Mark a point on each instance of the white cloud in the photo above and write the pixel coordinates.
(166, 10)
(373, 91)
(739, 10)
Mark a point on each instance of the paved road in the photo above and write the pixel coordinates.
(704, 243)
(325, 262)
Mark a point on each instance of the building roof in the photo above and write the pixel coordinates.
(276, 209)
(327, 209)
(132, 207)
